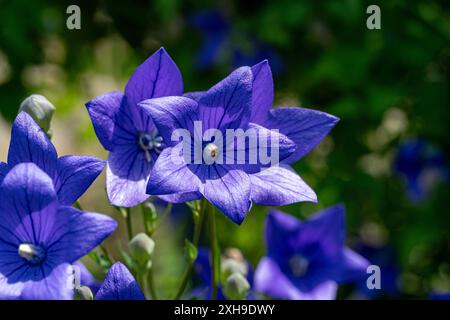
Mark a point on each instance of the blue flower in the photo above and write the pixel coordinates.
(119, 284)
(71, 175)
(223, 108)
(128, 133)
(421, 166)
(306, 260)
(39, 238)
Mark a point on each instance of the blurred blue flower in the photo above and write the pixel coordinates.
(39, 239)
(215, 29)
(422, 166)
(384, 257)
(72, 175)
(202, 269)
(119, 284)
(218, 43)
(128, 132)
(306, 260)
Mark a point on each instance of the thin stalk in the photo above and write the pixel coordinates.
(195, 240)
(151, 284)
(214, 252)
(126, 212)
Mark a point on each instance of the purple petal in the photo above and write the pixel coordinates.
(325, 229)
(181, 197)
(171, 175)
(270, 280)
(48, 283)
(74, 176)
(157, 77)
(305, 127)
(25, 193)
(351, 266)
(230, 192)
(279, 186)
(3, 171)
(75, 233)
(103, 111)
(171, 113)
(30, 144)
(262, 98)
(227, 105)
(127, 173)
(267, 140)
(119, 285)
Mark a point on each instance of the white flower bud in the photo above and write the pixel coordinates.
(40, 109)
(141, 248)
(236, 287)
(83, 293)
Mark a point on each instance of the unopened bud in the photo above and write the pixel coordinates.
(236, 287)
(230, 266)
(83, 293)
(141, 248)
(40, 109)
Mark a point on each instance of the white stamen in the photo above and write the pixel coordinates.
(210, 153)
(32, 253)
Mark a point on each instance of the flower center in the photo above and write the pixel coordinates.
(210, 153)
(299, 265)
(31, 253)
(150, 142)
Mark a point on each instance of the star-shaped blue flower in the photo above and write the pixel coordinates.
(71, 175)
(128, 133)
(119, 284)
(306, 260)
(226, 106)
(39, 238)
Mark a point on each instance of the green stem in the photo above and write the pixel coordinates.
(127, 213)
(151, 284)
(195, 240)
(214, 252)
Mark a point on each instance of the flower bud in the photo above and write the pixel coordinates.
(83, 293)
(141, 249)
(236, 287)
(40, 109)
(230, 266)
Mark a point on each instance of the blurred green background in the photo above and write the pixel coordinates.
(386, 85)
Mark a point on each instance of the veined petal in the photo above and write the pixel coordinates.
(170, 114)
(305, 127)
(74, 176)
(127, 174)
(157, 77)
(227, 105)
(171, 175)
(103, 111)
(49, 283)
(262, 97)
(279, 186)
(75, 233)
(230, 192)
(26, 195)
(119, 284)
(30, 144)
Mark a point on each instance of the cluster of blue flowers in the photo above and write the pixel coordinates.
(42, 236)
